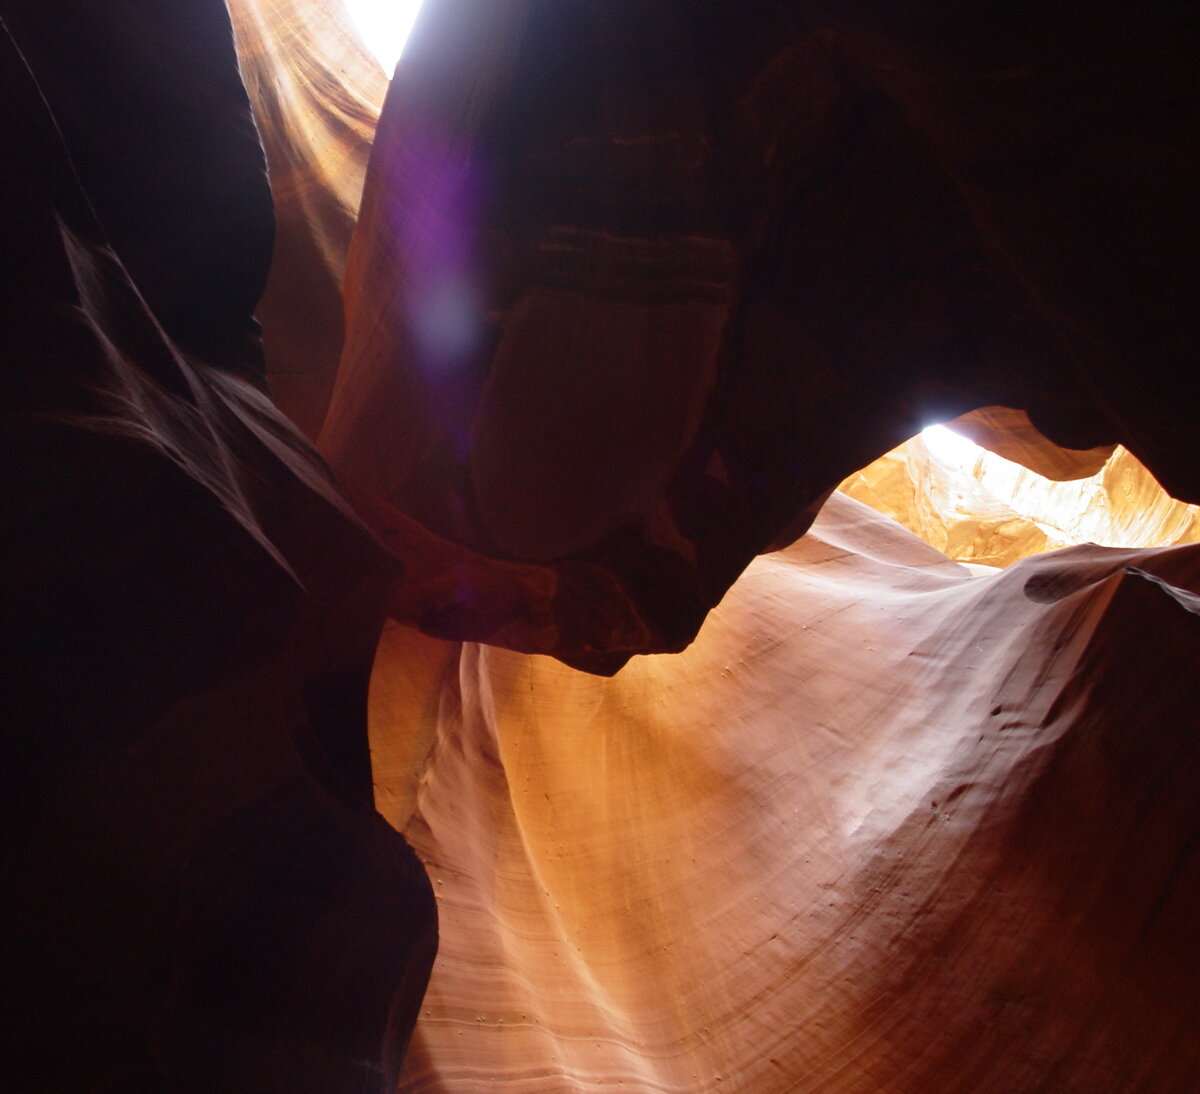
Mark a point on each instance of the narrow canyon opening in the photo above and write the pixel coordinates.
(383, 27)
(446, 661)
(978, 507)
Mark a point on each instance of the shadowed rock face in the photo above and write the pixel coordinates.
(200, 895)
(633, 287)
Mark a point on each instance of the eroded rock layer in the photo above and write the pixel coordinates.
(985, 509)
(887, 825)
(316, 95)
(635, 284)
(199, 895)
(1011, 435)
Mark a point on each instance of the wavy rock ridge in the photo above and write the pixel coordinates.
(633, 287)
(888, 824)
(988, 510)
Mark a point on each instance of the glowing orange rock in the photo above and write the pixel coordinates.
(890, 824)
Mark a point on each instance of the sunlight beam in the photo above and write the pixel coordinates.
(383, 26)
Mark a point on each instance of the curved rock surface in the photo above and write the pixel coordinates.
(1010, 434)
(986, 509)
(889, 824)
(635, 285)
(316, 95)
(199, 894)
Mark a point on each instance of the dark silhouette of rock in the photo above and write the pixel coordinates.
(633, 287)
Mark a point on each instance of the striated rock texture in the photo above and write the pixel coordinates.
(888, 825)
(636, 284)
(1011, 435)
(199, 894)
(992, 511)
(316, 95)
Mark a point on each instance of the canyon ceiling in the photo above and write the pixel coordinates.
(440, 657)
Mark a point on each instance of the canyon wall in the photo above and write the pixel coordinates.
(199, 893)
(890, 824)
(703, 802)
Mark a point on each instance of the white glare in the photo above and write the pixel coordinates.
(950, 448)
(383, 26)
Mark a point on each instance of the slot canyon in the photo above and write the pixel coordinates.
(487, 612)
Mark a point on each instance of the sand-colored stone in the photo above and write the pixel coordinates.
(992, 511)
(316, 95)
(633, 286)
(891, 824)
(1010, 433)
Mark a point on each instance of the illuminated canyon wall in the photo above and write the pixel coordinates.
(699, 794)
(887, 825)
(975, 506)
